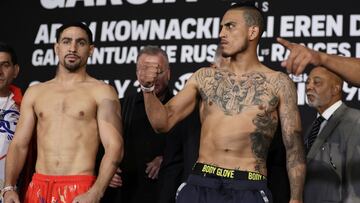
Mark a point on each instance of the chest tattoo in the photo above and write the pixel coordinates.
(233, 93)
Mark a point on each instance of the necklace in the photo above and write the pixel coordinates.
(3, 110)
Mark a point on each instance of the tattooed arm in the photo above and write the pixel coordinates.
(291, 132)
(164, 117)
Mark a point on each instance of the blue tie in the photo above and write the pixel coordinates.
(314, 132)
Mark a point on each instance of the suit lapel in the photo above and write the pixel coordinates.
(331, 124)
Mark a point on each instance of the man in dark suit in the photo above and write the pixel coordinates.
(154, 165)
(333, 153)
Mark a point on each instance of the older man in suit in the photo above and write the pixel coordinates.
(333, 142)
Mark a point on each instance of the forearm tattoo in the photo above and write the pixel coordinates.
(291, 130)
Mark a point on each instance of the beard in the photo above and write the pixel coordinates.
(313, 104)
(243, 48)
(72, 67)
(317, 101)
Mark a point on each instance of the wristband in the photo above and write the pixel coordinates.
(7, 189)
(147, 89)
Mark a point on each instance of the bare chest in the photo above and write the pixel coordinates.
(234, 94)
(76, 104)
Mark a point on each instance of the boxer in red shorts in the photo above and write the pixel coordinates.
(44, 188)
(72, 114)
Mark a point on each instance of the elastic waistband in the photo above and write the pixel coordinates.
(218, 172)
(65, 178)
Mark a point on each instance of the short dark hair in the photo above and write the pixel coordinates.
(252, 14)
(8, 49)
(75, 24)
(153, 50)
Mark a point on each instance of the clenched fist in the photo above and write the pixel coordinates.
(147, 73)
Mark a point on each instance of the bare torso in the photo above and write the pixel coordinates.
(239, 117)
(67, 131)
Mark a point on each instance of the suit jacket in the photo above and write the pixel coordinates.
(334, 159)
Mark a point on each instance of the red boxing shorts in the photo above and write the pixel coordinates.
(49, 189)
